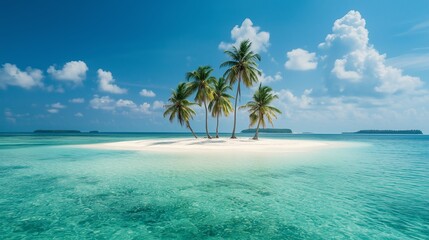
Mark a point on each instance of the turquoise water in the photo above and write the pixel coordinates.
(376, 190)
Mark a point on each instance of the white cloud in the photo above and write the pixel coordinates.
(107, 83)
(260, 40)
(130, 105)
(303, 101)
(77, 100)
(351, 113)
(73, 71)
(357, 65)
(57, 105)
(410, 61)
(393, 81)
(11, 75)
(265, 79)
(301, 60)
(126, 103)
(341, 73)
(104, 103)
(419, 28)
(122, 105)
(147, 93)
(53, 110)
(158, 105)
(144, 108)
(361, 88)
(78, 114)
(349, 31)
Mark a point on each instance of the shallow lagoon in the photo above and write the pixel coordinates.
(378, 190)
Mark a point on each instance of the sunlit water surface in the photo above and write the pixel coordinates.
(376, 189)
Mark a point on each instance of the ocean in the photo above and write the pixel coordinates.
(51, 189)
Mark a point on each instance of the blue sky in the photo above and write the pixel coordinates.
(111, 65)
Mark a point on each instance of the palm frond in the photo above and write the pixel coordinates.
(260, 109)
(179, 107)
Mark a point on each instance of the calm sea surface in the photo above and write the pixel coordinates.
(377, 188)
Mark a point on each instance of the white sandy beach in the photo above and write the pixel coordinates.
(218, 146)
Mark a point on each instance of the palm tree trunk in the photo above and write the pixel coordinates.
(235, 108)
(257, 131)
(217, 125)
(192, 131)
(207, 121)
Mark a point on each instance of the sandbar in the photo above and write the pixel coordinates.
(218, 145)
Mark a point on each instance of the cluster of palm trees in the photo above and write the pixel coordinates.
(242, 68)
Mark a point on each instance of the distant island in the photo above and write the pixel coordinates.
(385, 132)
(268, 130)
(62, 131)
(56, 131)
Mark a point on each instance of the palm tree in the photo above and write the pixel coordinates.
(260, 108)
(241, 67)
(179, 107)
(201, 83)
(220, 103)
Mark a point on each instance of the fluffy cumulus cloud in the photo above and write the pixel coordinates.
(78, 114)
(147, 93)
(361, 88)
(356, 66)
(158, 105)
(145, 108)
(55, 107)
(125, 103)
(107, 83)
(265, 79)
(350, 30)
(304, 101)
(73, 71)
(103, 103)
(260, 39)
(301, 60)
(121, 105)
(11, 75)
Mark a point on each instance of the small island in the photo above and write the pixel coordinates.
(268, 130)
(385, 132)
